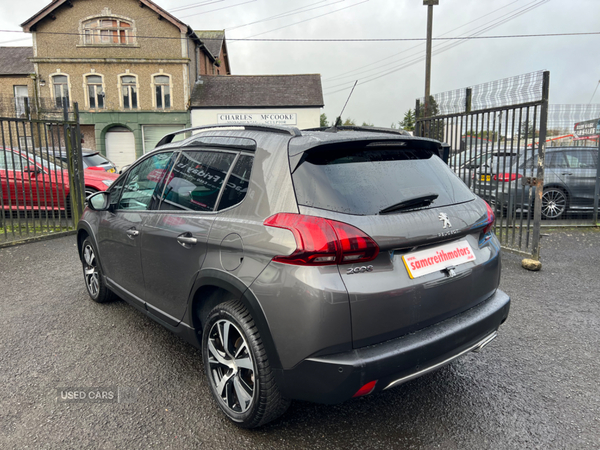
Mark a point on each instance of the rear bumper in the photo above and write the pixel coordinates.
(336, 378)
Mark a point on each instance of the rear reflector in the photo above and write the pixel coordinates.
(321, 242)
(491, 218)
(366, 389)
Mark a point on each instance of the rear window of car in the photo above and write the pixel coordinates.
(94, 160)
(364, 180)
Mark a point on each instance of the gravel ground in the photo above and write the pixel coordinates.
(535, 386)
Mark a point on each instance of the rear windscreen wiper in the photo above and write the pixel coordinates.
(416, 202)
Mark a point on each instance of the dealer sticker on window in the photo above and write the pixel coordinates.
(438, 258)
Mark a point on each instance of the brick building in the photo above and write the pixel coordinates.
(129, 64)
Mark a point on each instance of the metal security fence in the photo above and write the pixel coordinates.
(497, 135)
(41, 181)
(572, 163)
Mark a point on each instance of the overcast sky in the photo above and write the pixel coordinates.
(573, 61)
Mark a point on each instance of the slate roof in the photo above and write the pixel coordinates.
(14, 60)
(229, 91)
(212, 39)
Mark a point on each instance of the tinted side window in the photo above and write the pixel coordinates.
(196, 180)
(237, 184)
(557, 160)
(143, 183)
(581, 160)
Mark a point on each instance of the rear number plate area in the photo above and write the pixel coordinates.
(438, 258)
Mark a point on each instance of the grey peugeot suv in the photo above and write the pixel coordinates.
(315, 265)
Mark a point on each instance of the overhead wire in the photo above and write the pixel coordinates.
(475, 32)
(419, 45)
(457, 38)
(312, 18)
(285, 14)
(440, 49)
(218, 9)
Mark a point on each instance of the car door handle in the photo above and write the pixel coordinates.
(132, 232)
(187, 240)
(567, 173)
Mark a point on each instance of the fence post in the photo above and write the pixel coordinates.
(75, 163)
(597, 188)
(539, 185)
(468, 100)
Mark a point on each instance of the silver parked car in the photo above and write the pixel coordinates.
(316, 265)
(569, 182)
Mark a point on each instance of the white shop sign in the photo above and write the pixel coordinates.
(259, 118)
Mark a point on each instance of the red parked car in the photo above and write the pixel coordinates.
(36, 181)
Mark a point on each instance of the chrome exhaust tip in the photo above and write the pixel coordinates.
(485, 342)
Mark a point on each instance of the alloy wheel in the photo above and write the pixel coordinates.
(232, 370)
(90, 270)
(554, 203)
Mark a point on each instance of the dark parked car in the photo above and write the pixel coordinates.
(317, 265)
(466, 163)
(93, 160)
(569, 182)
(37, 181)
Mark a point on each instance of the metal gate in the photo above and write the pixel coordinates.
(497, 134)
(41, 172)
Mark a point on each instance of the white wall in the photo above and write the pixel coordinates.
(305, 117)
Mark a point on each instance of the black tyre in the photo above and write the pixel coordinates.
(555, 203)
(237, 368)
(92, 274)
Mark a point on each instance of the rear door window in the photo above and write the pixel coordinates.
(363, 180)
(581, 159)
(196, 180)
(237, 183)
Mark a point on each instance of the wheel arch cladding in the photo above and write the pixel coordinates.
(213, 287)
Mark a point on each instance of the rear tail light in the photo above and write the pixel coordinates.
(366, 389)
(321, 242)
(506, 177)
(491, 218)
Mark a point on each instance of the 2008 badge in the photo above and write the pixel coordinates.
(361, 269)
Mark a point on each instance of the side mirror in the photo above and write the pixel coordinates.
(100, 201)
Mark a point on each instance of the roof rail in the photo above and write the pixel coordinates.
(168, 138)
(359, 128)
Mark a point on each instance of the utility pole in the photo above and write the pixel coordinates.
(430, 4)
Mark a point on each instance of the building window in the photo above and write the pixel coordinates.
(129, 91)
(162, 88)
(108, 31)
(95, 91)
(21, 93)
(61, 90)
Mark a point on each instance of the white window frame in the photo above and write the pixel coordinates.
(86, 86)
(97, 33)
(19, 99)
(68, 87)
(120, 90)
(153, 87)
